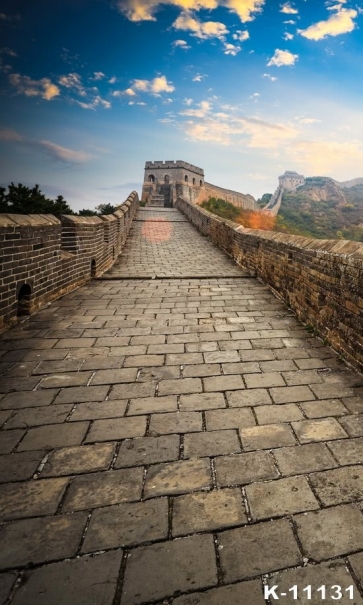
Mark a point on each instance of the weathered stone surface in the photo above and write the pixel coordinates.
(318, 430)
(177, 422)
(223, 383)
(27, 399)
(258, 549)
(331, 532)
(326, 407)
(103, 489)
(208, 511)
(353, 425)
(304, 459)
(245, 468)
(98, 410)
(151, 405)
(40, 540)
(190, 563)
(291, 394)
(50, 436)
(348, 451)
(339, 485)
(235, 594)
(148, 450)
(278, 498)
(213, 443)
(82, 581)
(229, 419)
(202, 401)
(267, 436)
(127, 525)
(82, 394)
(17, 467)
(177, 478)
(7, 581)
(177, 387)
(270, 414)
(30, 499)
(51, 414)
(76, 460)
(116, 428)
(9, 440)
(239, 399)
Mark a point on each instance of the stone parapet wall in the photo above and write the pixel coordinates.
(240, 200)
(321, 280)
(50, 257)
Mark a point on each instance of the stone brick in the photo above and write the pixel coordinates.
(190, 563)
(98, 410)
(83, 581)
(245, 468)
(269, 414)
(142, 361)
(247, 398)
(320, 409)
(229, 419)
(54, 435)
(258, 549)
(150, 405)
(221, 357)
(208, 511)
(265, 380)
(353, 425)
(27, 399)
(40, 540)
(103, 489)
(177, 478)
(176, 422)
(18, 467)
(82, 394)
(9, 440)
(223, 383)
(159, 373)
(76, 460)
(318, 430)
(354, 404)
(30, 499)
(7, 581)
(73, 379)
(301, 377)
(258, 355)
(267, 436)
(184, 358)
(331, 532)
(291, 394)
(339, 485)
(241, 368)
(278, 498)
(280, 365)
(348, 451)
(331, 391)
(117, 428)
(235, 594)
(37, 416)
(303, 459)
(213, 443)
(131, 391)
(114, 376)
(127, 525)
(203, 401)
(148, 450)
(177, 387)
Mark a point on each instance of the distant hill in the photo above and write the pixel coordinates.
(323, 208)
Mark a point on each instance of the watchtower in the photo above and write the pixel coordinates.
(163, 181)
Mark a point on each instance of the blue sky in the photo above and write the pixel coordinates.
(245, 89)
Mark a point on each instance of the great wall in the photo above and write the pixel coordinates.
(170, 432)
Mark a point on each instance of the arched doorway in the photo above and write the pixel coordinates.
(151, 178)
(186, 178)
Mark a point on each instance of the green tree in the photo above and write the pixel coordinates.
(86, 212)
(105, 208)
(20, 199)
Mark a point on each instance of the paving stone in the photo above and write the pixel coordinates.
(50, 436)
(269, 414)
(37, 416)
(4, 416)
(150, 405)
(127, 525)
(207, 511)
(130, 391)
(348, 451)
(184, 358)
(318, 430)
(245, 468)
(331, 391)
(107, 363)
(164, 349)
(114, 376)
(281, 497)
(190, 563)
(258, 549)
(304, 459)
(80, 581)
(159, 373)
(279, 365)
(73, 379)
(27, 399)
(333, 573)
(223, 383)
(203, 401)
(141, 361)
(98, 410)
(291, 394)
(356, 562)
(229, 419)
(266, 437)
(199, 370)
(268, 379)
(9, 440)
(148, 450)
(83, 394)
(30, 499)
(76, 460)
(248, 398)
(177, 478)
(116, 428)
(213, 443)
(338, 485)
(235, 345)
(40, 540)
(241, 368)
(7, 581)
(103, 489)
(235, 594)
(258, 355)
(327, 407)
(177, 422)
(221, 357)
(330, 532)
(301, 377)
(354, 404)
(176, 387)
(18, 467)
(353, 425)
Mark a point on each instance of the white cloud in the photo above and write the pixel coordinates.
(43, 88)
(188, 102)
(8, 51)
(7, 134)
(272, 78)
(288, 9)
(245, 9)
(231, 49)
(95, 102)
(145, 10)
(339, 23)
(202, 110)
(328, 157)
(154, 87)
(73, 81)
(4, 68)
(98, 75)
(181, 44)
(129, 92)
(289, 22)
(63, 154)
(282, 57)
(200, 29)
(112, 80)
(199, 77)
(255, 96)
(306, 120)
(288, 36)
(241, 36)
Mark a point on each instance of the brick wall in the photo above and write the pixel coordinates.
(321, 280)
(43, 258)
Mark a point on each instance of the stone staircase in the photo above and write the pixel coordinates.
(156, 200)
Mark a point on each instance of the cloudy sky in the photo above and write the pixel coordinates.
(245, 89)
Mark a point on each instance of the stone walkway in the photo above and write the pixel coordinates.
(179, 441)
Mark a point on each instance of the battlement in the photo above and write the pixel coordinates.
(171, 164)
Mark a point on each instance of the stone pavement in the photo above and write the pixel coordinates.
(179, 441)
